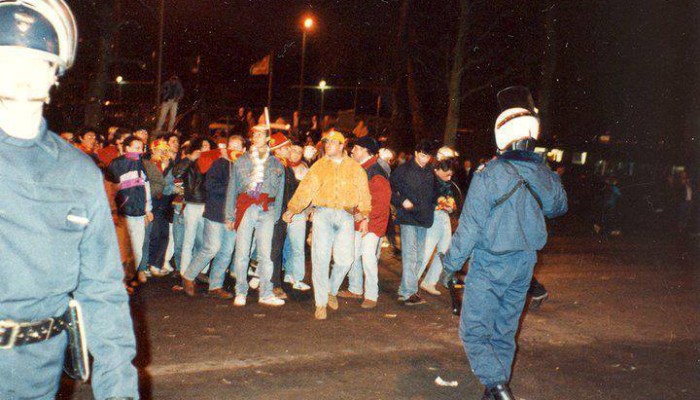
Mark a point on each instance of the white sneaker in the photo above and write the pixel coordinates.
(301, 286)
(253, 268)
(239, 301)
(430, 289)
(254, 283)
(271, 301)
(166, 269)
(155, 272)
(288, 279)
(148, 273)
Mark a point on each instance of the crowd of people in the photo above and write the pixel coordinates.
(242, 203)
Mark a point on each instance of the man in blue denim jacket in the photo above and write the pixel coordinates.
(253, 205)
(57, 236)
(501, 228)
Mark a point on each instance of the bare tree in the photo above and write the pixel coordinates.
(455, 80)
(106, 44)
(399, 138)
(549, 66)
(108, 26)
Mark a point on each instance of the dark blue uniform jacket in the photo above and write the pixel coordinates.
(518, 223)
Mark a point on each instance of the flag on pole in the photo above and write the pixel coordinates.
(261, 67)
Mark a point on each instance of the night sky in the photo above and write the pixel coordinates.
(630, 68)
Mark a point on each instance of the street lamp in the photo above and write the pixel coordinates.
(308, 24)
(322, 86)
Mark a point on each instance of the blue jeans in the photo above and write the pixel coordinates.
(334, 234)
(412, 253)
(295, 260)
(438, 236)
(177, 235)
(218, 246)
(256, 225)
(494, 296)
(194, 233)
(364, 268)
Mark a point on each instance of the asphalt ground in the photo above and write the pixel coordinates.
(622, 322)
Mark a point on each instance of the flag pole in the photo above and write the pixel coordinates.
(269, 81)
(267, 120)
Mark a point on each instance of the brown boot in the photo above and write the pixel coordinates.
(346, 294)
(189, 286)
(220, 294)
(320, 313)
(367, 303)
(332, 302)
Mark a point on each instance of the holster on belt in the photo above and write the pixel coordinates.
(76, 363)
(456, 287)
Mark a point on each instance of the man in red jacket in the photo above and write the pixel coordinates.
(367, 245)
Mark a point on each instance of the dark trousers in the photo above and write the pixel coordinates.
(391, 231)
(279, 234)
(160, 232)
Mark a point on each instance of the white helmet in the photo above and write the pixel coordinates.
(44, 29)
(519, 117)
(446, 152)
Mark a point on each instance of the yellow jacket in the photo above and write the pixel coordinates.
(334, 185)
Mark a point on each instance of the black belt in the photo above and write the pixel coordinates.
(14, 333)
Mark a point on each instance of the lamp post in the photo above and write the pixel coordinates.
(308, 24)
(322, 86)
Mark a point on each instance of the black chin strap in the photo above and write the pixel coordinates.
(524, 144)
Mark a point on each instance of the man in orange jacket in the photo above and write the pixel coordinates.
(337, 187)
(366, 244)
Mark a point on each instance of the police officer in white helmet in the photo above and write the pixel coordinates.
(58, 246)
(501, 228)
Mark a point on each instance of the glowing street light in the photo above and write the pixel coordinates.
(308, 24)
(119, 79)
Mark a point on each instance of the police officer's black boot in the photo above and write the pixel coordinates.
(486, 395)
(501, 392)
